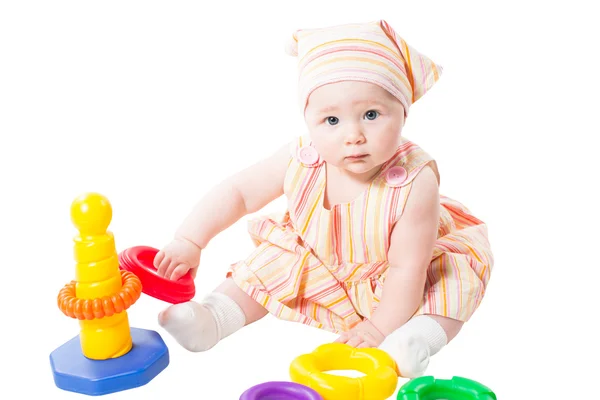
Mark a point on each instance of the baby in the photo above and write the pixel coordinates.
(368, 248)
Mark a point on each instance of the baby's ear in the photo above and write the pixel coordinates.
(421, 72)
(291, 45)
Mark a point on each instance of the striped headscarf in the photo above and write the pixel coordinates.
(369, 52)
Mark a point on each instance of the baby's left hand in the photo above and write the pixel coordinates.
(365, 334)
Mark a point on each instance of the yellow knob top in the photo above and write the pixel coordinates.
(91, 214)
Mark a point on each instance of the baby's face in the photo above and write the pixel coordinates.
(348, 119)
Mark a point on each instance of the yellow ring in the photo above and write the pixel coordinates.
(379, 382)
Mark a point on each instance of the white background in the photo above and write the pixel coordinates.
(153, 103)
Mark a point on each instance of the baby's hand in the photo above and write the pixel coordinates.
(365, 334)
(177, 258)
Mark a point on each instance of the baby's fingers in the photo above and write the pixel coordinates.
(170, 268)
(179, 271)
(368, 339)
(355, 341)
(160, 256)
(343, 338)
(163, 267)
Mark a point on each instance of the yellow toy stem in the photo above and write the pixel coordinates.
(98, 275)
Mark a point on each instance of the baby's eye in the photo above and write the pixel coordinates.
(332, 120)
(371, 114)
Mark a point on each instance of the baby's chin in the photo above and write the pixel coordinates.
(359, 167)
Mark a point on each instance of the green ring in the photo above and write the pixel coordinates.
(457, 388)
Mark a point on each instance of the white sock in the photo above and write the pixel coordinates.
(200, 326)
(414, 343)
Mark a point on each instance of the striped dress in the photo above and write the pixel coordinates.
(326, 268)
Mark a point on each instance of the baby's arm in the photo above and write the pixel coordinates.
(409, 255)
(243, 193)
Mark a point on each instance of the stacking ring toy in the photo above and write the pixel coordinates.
(89, 309)
(140, 261)
(379, 382)
(457, 388)
(280, 391)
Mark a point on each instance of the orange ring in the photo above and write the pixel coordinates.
(106, 306)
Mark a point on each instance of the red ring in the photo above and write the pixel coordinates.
(140, 261)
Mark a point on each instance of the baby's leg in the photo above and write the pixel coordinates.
(416, 341)
(200, 326)
(451, 326)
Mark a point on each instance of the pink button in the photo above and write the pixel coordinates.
(308, 155)
(395, 176)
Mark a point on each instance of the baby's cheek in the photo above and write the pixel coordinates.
(333, 154)
(323, 146)
(386, 149)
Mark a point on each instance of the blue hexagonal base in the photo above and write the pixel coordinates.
(76, 373)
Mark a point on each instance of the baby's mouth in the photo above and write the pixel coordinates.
(356, 157)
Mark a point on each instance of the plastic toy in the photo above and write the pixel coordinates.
(280, 391)
(139, 260)
(457, 388)
(379, 382)
(107, 356)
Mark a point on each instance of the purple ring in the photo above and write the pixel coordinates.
(280, 391)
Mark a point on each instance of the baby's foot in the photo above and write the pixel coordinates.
(414, 343)
(191, 324)
(410, 353)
